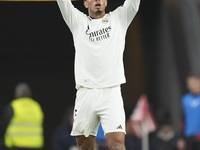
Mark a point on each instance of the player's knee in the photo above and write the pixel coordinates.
(115, 140)
(85, 147)
(115, 145)
(85, 143)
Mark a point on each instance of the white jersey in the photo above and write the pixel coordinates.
(99, 44)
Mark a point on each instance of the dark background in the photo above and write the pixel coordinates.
(36, 47)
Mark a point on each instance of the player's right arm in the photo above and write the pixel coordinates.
(70, 14)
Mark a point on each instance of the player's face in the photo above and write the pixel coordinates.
(96, 8)
(193, 85)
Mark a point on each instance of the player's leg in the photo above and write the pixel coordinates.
(111, 112)
(86, 121)
(115, 140)
(86, 143)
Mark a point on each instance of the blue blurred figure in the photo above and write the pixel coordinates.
(101, 142)
(191, 110)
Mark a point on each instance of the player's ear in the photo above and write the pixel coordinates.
(106, 3)
(85, 3)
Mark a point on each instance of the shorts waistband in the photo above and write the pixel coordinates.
(100, 88)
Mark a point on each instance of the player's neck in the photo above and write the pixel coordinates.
(96, 16)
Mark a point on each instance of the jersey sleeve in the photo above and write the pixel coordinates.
(70, 14)
(127, 11)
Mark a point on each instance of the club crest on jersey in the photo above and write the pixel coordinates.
(105, 20)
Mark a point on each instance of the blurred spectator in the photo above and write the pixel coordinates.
(62, 140)
(165, 138)
(191, 111)
(21, 123)
(131, 142)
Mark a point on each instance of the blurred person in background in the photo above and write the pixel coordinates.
(21, 126)
(61, 139)
(191, 111)
(165, 137)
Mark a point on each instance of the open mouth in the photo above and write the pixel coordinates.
(98, 5)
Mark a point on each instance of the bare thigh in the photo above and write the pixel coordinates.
(86, 143)
(115, 140)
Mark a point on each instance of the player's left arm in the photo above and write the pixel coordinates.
(130, 9)
(127, 11)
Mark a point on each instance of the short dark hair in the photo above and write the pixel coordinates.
(193, 75)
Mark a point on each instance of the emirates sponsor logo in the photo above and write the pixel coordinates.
(99, 35)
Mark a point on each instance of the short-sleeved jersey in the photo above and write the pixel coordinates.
(99, 44)
(191, 108)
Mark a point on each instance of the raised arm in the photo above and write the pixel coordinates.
(135, 4)
(69, 13)
(128, 11)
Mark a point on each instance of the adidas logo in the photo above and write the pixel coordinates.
(119, 127)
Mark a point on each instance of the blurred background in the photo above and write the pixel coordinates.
(162, 48)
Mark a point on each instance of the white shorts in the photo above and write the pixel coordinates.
(93, 106)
